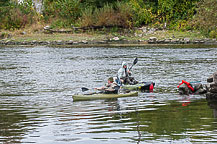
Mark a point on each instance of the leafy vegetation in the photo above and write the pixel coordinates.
(206, 17)
(178, 15)
(16, 16)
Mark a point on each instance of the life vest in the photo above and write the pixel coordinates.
(188, 85)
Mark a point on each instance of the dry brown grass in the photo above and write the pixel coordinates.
(107, 16)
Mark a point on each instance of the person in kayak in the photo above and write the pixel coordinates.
(124, 75)
(110, 88)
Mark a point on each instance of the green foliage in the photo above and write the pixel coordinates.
(213, 34)
(15, 16)
(142, 14)
(156, 12)
(87, 18)
(66, 10)
(206, 17)
(179, 15)
(4, 35)
(97, 3)
(176, 9)
(4, 3)
(109, 15)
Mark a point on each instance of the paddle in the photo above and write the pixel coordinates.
(134, 62)
(83, 89)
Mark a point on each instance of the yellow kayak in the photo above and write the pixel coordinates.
(102, 96)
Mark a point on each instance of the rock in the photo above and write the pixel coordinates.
(196, 42)
(152, 30)
(210, 79)
(211, 97)
(186, 39)
(23, 33)
(139, 35)
(215, 77)
(213, 84)
(47, 27)
(212, 87)
(174, 41)
(70, 42)
(154, 39)
(116, 39)
(84, 41)
(144, 29)
(167, 41)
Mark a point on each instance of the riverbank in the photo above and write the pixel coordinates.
(139, 37)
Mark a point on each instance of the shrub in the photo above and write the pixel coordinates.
(67, 10)
(15, 16)
(213, 34)
(87, 18)
(142, 14)
(117, 15)
(205, 18)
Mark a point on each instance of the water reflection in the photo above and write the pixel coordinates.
(213, 106)
(36, 85)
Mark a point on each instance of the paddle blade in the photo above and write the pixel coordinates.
(83, 89)
(135, 61)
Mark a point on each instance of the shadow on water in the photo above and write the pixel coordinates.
(36, 85)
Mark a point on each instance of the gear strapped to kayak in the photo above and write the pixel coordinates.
(191, 87)
(188, 85)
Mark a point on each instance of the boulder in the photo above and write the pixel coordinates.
(210, 79)
(212, 87)
(154, 39)
(116, 39)
(215, 77)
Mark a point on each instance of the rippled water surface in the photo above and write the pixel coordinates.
(37, 84)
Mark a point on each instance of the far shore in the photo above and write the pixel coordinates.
(106, 39)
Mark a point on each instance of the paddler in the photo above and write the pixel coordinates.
(124, 75)
(110, 87)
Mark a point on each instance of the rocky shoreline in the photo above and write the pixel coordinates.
(112, 41)
(149, 34)
(211, 95)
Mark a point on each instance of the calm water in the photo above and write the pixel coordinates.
(36, 85)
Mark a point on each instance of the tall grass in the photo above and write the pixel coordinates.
(109, 15)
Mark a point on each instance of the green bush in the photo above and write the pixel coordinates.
(213, 34)
(65, 10)
(117, 15)
(97, 3)
(142, 13)
(15, 16)
(205, 18)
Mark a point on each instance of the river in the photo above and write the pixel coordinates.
(37, 84)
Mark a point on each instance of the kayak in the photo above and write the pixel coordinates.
(143, 86)
(92, 96)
